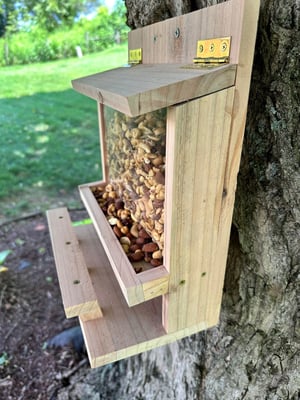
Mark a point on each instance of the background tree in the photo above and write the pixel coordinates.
(43, 13)
(7, 15)
(254, 352)
(54, 13)
(117, 18)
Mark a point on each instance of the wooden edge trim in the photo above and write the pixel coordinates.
(100, 360)
(125, 275)
(155, 282)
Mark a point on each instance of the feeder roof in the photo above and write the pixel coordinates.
(148, 87)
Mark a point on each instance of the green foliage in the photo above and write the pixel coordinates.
(51, 14)
(38, 45)
(47, 14)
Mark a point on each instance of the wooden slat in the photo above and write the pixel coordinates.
(77, 291)
(136, 288)
(102, 141)
(123, 270)
(123, 331)
(215, 149)
(249, 19)
(146, 88)
(194, 192)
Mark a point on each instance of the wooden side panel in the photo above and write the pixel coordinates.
(198, 135)
(243, 79)
(77, 291)
(161, 44)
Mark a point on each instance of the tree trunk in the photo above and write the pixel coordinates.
(254, 351)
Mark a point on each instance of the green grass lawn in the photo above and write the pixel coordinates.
(49, 141)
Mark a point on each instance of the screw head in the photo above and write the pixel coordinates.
(177, 33)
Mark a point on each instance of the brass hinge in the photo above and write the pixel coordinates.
(215, 51)
(135, 56)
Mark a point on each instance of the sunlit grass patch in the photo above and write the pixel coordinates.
(49, 136)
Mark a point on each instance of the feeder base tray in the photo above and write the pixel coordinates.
(122, 331)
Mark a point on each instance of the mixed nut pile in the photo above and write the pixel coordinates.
(136, 242)
(136, 150)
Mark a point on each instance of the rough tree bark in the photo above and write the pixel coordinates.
(254, 352)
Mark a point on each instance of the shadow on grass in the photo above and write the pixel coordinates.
(49, 143)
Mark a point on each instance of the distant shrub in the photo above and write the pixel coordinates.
(38, 45)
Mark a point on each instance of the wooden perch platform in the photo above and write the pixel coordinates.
(77, 291)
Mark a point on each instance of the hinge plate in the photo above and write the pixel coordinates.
(135, 56)
(215, 50)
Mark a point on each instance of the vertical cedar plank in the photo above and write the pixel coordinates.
(242, 86)
(214, 229)
(198, 138)
(103, 149)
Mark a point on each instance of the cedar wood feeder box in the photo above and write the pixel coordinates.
(150, 269)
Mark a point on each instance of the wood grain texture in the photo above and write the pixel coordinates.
(76, 287)
(123, 331)
(144, 88)
(250, 13)
(102, 142)
(213, 179)
(197, 144)
(136, 288)
(161, 44)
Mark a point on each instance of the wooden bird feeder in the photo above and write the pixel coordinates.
(150, 269)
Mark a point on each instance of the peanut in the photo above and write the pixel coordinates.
(124, 230)
(125, 248)
(140, 240)
(155, 262)
(134, 247)
(157, 254)
(137, 256)
(125, 240)
(143, 234)
(150, 247)
(134, 230)
(117, 231)
(113, 221)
